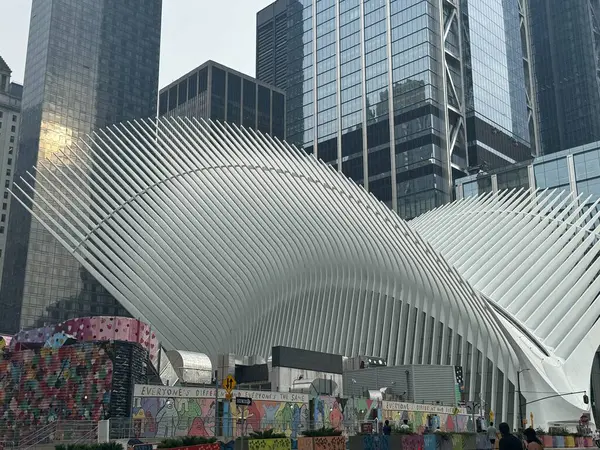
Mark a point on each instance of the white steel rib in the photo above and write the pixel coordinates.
(228, 240)
(535, 256)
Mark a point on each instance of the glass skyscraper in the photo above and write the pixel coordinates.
(90, 63)
(565, 38)
(392, 94)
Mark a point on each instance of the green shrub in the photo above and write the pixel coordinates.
(267, 434)
(400, 430)
(322, 432)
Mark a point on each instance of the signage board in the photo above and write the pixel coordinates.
(229, 383)
(243, 401)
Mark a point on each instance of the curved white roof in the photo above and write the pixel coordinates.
(535, 256)
(224, 239)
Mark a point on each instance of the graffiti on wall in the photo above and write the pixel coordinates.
(44, 385)
(168, 417)
(334, 412)
(420, 420)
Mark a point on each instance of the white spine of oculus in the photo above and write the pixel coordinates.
(534, 255)
(227, 240)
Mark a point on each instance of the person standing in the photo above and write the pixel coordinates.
(533, 442)
(508, 441)
(492, 434)
(387, 430)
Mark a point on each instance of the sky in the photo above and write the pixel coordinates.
(193, 31)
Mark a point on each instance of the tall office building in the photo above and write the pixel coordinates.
(214, 91)
(10, 118)
(89, 63)
(392, 94)
(565, 39)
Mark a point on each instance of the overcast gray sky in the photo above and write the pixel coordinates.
(192, 32)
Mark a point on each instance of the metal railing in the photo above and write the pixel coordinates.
(41, 436)
(29, 436)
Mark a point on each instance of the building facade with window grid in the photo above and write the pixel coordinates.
(213, 91)
(10, 117)
(565, 38)
(90, 63)
(384, 90)
(575, 172)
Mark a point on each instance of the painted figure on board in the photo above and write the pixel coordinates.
(254, 416)
(268, 420)
(296, 420)
(336, 416)
(167, 420)
(283, 418)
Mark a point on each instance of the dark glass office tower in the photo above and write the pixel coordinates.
(271, 37)
(90, 63)
(214, 91)
(565, 37)
(380, 90)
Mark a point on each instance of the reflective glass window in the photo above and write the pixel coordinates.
(264, 109)
(234, 98)
(218, 94)
(249, 104)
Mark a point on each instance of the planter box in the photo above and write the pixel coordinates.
(580, 442)
(558, 441)
(483, 442)
(430, 441)
(305, 443)
(270, 444)
(264, 444)
(329, 443)
(412, 442)
(546, 441)
(589, 441)
(373, 442)
(214, 446)
(569, 442)
(322, 443)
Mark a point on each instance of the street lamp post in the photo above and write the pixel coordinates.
(519, 391)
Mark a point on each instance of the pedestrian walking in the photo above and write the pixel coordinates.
(492, 434)
(533, 442)
(508, 441)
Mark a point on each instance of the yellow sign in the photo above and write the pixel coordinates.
(229, 384)
(491, 416)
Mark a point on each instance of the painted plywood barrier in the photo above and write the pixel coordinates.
(421, 417)
(334, 412)
(174, 411)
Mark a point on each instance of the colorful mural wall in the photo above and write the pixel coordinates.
(46, 384)
(341, 413)
(167, 412)
(432, 417)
